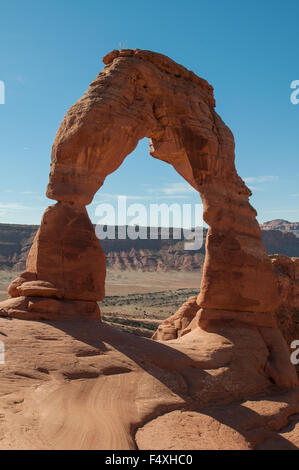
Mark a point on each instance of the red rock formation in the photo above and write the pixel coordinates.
(186, 132)
(138, 94)
(144, 94)
(67, 254)
(287, 272)
(66, 262)
(177, 325)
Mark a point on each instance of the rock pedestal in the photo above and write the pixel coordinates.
(65, 269)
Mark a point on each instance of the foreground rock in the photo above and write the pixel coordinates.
(267, 423)
(86, 385)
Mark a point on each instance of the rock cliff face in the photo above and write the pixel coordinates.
(15, 243)
(281, 242)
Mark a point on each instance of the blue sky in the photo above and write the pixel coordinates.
(248, 51)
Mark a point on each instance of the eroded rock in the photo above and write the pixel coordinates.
(287, 274)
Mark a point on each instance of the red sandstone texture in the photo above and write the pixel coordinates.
(178, 324)
(287, 272)
(87, 385)
(66, 260)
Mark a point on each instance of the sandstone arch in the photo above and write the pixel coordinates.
(144, 94)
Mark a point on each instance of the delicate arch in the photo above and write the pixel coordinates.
(144, 94)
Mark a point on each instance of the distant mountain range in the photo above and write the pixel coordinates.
(279, 236)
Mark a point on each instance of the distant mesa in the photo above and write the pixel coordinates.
(283, 225)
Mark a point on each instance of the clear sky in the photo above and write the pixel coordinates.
(248, 50)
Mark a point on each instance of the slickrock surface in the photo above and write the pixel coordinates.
(267, 423)
(86, 385)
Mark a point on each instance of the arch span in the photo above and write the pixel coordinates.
(144, 94)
